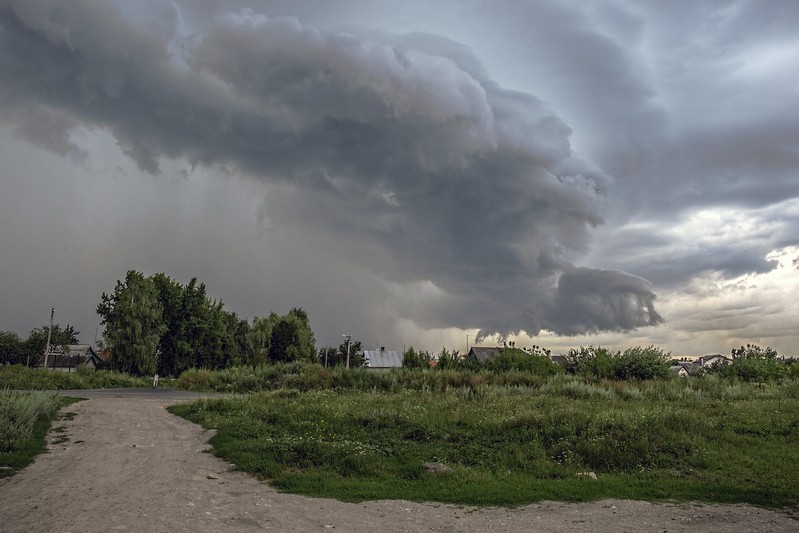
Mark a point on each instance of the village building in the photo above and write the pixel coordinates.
(382, 358)
(69, 358)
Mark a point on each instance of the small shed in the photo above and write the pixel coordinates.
(66, 360)
(382, 358)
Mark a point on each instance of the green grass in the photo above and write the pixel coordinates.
(20, 377)
(25, 419)
(514, 445)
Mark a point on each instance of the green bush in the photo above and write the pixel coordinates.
(642, 364)
(637, 363)
(415, 360)
(755, 364)
(518, 360)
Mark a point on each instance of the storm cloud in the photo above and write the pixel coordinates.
(426, 170)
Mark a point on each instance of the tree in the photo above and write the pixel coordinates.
(292, 338)
(132, 316)
(198, 332)
(170, 296)
(234, 343)
(338, 356)
(259, 339)
(449, 360)
(11, 349)
(753, 363)
(413, 359)
(34, 346)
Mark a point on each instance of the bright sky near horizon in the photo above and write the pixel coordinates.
(614, 173)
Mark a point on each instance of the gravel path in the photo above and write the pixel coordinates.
(129, 465)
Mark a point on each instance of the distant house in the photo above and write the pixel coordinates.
(713, 359)
(382, 358)
(75, 356)
(483, 354)
(680, 370)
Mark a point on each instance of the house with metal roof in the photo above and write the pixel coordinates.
(69, 358)
(382, 358)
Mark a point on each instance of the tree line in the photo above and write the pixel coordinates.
(155, 324)
(17, 351)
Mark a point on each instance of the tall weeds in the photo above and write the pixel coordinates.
(23, 378)
(19, 411)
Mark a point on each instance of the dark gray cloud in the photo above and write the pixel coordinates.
(450, 179)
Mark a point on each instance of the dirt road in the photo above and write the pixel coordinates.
(129, 465)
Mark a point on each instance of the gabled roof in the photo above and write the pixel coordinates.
(484, 353)
(713, 357)
(83, 350)
(680, 370)
(382, 359)
(75, 355)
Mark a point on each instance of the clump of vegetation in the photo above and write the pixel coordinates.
(514, 359)
(19, 411)
(24, 420)
(416, 360)
(754, 364)
(149, 315)
(23, 378)
(633, 364)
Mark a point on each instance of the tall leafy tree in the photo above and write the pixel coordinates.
(170, 296)
(132, 316)
(292, 338)
(10, 348)
(234, 343)
(259, 339)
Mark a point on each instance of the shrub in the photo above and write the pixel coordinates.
(514, 359)
(753, 363)
(592, 363)
(637, 363)
(642, 364)
(413, 359)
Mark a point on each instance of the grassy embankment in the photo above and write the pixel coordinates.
(19, 377)
(25, 418)
(360, 435)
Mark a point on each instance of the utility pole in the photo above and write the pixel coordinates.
(326, 352)
(348, 349)
(467, 344)
(49, 336)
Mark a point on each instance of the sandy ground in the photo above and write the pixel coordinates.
(129, 465)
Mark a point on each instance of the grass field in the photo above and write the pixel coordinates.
(704, 440)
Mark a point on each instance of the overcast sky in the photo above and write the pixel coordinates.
(609, 172)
